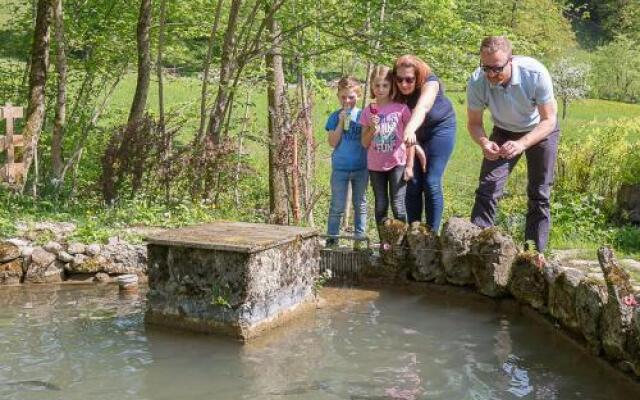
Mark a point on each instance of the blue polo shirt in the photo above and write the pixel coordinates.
(513, 107)
(348, 155)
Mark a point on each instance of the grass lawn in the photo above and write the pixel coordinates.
(182, 99)
(461, 176)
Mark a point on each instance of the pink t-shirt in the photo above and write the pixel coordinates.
(387, 149)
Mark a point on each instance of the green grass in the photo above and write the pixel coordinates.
(461, 176)
(182, 99)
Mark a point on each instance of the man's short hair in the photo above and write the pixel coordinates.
(491, 44)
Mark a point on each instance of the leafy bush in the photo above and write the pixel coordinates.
(599, 160)
(616, 70)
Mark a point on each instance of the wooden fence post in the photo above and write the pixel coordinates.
(11, 172)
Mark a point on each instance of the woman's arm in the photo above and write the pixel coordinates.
(419, 113)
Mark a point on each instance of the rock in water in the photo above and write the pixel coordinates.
(392, 242)
(617, 316)
(51, 273)
(530, 284)
(455, 242)
(562, 297)
(8, 252)
(424, 251)
(591, 296)
(493, 254)
(11, 272)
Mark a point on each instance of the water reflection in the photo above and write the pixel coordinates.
(90, 342)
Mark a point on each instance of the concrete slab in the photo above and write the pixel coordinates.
(242, 237)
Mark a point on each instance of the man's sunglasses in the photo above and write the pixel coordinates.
(406, 79)
(496, 69)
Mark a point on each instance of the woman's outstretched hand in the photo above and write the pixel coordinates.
(409, 138)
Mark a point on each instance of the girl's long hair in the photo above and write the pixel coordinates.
(421, 70)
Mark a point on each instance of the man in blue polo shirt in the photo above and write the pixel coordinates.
(519, 95)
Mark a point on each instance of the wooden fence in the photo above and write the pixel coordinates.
(11, 172)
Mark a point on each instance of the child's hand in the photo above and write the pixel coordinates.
(375, 119)
(408, 174)
(343, 115)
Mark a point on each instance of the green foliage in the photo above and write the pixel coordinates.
(599, 21)
(321, 281)
(7, 223)
(220, 295)
(616, 72)
(591, 168)
(597, 161)
(322, 40)
(536, 27)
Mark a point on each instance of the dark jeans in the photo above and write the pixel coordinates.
(389, 185)
(541, 159)
(425, 189)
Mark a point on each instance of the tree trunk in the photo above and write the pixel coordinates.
(295, 180)
(309, 150)
(166, 139)
(57, 162)
(227, 66)
(278, 123)
(243, 131)
(206, 68)
(144, 64)
(37, 82)
(565, 104)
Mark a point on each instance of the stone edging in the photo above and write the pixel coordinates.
(24, 261)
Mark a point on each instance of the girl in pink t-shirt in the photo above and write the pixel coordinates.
(383, 136)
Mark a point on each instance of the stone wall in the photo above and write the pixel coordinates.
(25, 261)
(597, 304)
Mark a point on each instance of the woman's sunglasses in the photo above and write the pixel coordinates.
(406, 79)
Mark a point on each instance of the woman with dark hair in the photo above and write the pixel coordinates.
(433, 126)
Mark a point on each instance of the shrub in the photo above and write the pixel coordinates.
(598, 161)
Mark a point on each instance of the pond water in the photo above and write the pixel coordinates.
(87, 342)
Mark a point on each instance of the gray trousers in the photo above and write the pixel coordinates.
(541, 159)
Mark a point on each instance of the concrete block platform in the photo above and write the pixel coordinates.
(238, 279)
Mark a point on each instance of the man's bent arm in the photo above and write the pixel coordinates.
(548, 120)
(476, 127)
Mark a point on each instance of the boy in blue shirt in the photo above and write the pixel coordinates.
(348, 161)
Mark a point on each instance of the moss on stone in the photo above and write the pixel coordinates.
(527, 256)
(489, 234)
